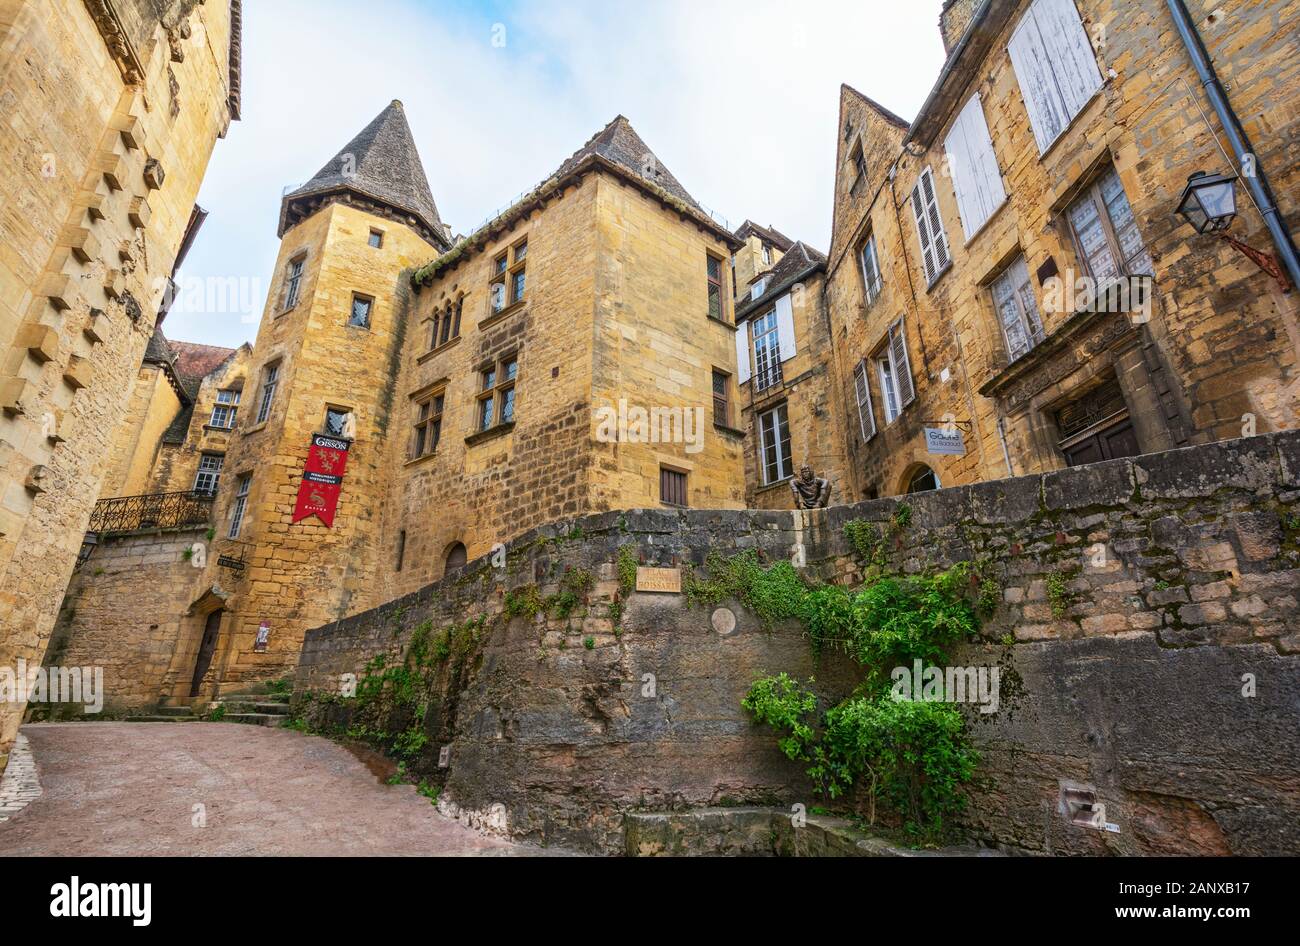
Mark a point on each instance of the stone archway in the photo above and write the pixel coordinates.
(455, 558)
(919, 478)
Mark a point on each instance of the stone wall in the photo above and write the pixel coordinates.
(108, 137)
(1136, 597)
(151, 571)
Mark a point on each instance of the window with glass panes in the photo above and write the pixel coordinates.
(1013, 295)
(270, 381)
(1105, 232)
(767, 352)
(870, 264)
(774, 427)
(360, 315)
(240, 504)
(293, 281)
(428, 425)
(336, 419)
(721, 401)
(895, 373)
(713, 268)
(509, 278)
(209, 474)
(496, 402)
(223, 412)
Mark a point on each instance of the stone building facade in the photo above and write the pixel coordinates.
(587, 350)
(112, 109)
(790, 409)
(1049, 158)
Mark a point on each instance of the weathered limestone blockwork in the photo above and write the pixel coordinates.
(155, 572)
(1217, 358)
(93, 130)
(1180, 574)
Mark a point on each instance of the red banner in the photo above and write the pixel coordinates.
(322, 480)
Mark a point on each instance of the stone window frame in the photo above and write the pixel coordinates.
(721, 399)
(267, 390)
(871, 290)
(1091, 190)
(715, 284)
(369, 301)
(784, 460)
(858, 162)
(229, 407)
(291, 292)
(426, 421)
(343, 412)
(239, 505)
(375, 240)
(1033, 328)
(508, 267)
(401, 550)
(446, 323)
(212, 474)
(495, 385)
(669, 482)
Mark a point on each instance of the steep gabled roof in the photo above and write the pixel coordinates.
(883, 112)
(382, 165)
(616, 149)
(194, 362)
(619, 142)
(800, 262)
(766, 234)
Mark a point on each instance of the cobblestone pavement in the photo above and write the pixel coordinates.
(218, 788)
(19, 786)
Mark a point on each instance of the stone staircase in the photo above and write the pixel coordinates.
(253, 705)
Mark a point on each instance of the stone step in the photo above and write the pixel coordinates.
(185, 710)
(254, 719)
(162, 719)
(272, 709)
(250, 706)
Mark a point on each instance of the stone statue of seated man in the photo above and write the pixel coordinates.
(810, 492)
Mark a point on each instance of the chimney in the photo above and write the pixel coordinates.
(954, 19)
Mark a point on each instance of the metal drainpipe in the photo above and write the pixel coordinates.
(1241, 147)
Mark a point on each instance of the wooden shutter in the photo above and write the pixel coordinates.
(742, 352)
(1054, 65)
(976, 176)
(929, 227)
(902, 367)
(785, 327)
(1069, 51)
(866, 417)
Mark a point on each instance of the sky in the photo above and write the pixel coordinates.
(738, 99)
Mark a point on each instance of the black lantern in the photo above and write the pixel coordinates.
(1209, 202)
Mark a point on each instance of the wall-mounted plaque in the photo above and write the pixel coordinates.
(666, 580)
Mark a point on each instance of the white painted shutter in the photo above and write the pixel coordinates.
(866, 417)
(1070, 52)
(975, 173)
(742, 352)
(902, 367)
(785, 327)
(935, 254)
(1054, 65)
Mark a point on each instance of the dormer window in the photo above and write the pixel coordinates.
(759, 285)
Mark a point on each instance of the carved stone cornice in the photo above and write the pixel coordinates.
(117, 40)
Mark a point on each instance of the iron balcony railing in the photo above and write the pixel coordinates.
(151, 511)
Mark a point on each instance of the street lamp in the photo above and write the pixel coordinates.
(1209, 204)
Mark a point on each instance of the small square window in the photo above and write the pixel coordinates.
(335, 421)
(360, 317)
(672, 487)
(377, 238)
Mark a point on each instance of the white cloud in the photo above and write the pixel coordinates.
(738, 99)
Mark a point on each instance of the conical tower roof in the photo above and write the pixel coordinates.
(380, 167)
